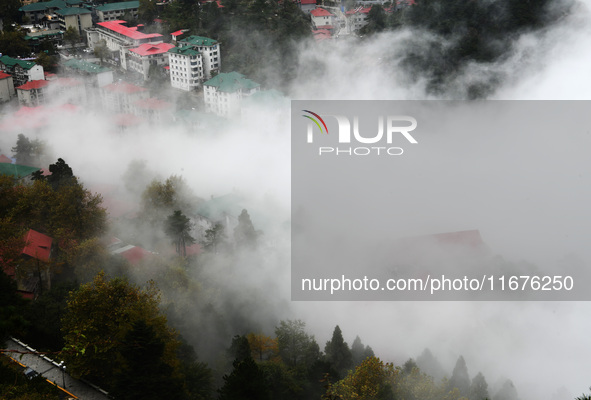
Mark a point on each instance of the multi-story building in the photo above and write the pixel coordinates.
(67, 91)
(153, 110)
(22, 71)
(223, 93)
(193, 61)
(141, 58)
(37, 12)
(186, 68)
(74, 17)
(121, 96)
(94, 75)
(6, 87)
(32, 93)
(356, 18)
(120, 38)
(115, 11)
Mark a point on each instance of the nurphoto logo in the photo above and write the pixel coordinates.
(382, 140)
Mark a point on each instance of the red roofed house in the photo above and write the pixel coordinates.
(307, 5)
(6, 87)
(176, 35)
(67, 90)
(141, 58)
(5, 160)
(120, 96)
(356, 18)
(322, 19)
(38, 248)
(32, 93)
(133, 254)
(120, 38)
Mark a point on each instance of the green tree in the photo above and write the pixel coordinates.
(28, 152)
(506, 392)
(376, 20)
(98, 319)
(101, 50)
(13, 43)
(72, 36)
(147, 11)
(11, 306)
(584, 396)
(9, 11)
(460, 378)
(244, 233)
(479, 388)
(359, 352)
(214, 237)
(178, 228)
(337, 352)
(371, 380)
(296, 347)
(247, 380)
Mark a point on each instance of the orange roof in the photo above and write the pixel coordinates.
(4, 75)
(37, 245)
(30, 85)
(148, 49)
(132, 33)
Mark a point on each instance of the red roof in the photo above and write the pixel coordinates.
(30, 85)
(308, 2)
(124, 87)
(4, 159)
(4, 75)
(148, 49)
(127, 120)
(37, 245)
(321, 12)
(132, 33)
(167, 67)
(136, 254)
(153, 103)
(325, 27)
(67, 82)
(177, 33)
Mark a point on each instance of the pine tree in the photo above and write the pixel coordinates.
(460, 378)
(338, 353)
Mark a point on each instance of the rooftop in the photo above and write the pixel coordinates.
(124, 87)
(85, 66)
(321, 12)
(53, 4)
(37, 245)
(37, 84)
(16, 171)
(123, 5)
(186, 51)
(231, 82)
(72, 11)
(132, 33)
(197, 41)
(11, 62)
(148, 49)
(4, 75)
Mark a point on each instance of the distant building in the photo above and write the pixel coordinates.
(307, 5)
(356, 18)
(32, 93)
(322, 19)
(67, 90)
(93, 74)
(194, 60)
(22, 71)
(153, 110)
(38, 12)
(140, 59)
(6, 87)
(74, 17)
(120, 97)
(223, 93)
(115, 11)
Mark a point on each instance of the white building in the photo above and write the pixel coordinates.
(186, 68)
(32, 93)
(356, 18)
(322, 19)
(67, 91)
(6, 87)
(115, 11)
(120, 97)
(119, 38)
(74, 17)
(22, 71)
(141, 58)
(94, 75)
(210, 52)
(223, 93)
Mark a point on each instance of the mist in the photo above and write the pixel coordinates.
(540, 346)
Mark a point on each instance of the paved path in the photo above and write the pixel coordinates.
(51, 370)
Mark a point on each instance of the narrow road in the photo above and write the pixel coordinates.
(51, 370)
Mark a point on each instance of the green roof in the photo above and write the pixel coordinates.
(72, 11)
(197, 41)
(85, 66)
(11, 62)
(186, 51)
(42, 6)
(16, 171)
(124, 5)
(231, 82)
(43, 35)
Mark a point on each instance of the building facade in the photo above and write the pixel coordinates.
(32, 93)
(141, 59)
(6, 87)
(223, 93)
(74, 17)
(115, 11)
(22, 71)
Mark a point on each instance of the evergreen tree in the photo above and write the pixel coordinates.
(479, 388)
(214, 237)
(460, 378)
(244, 233)
(359, 352)
(178, 228)
(337, 352)
(247, 380)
